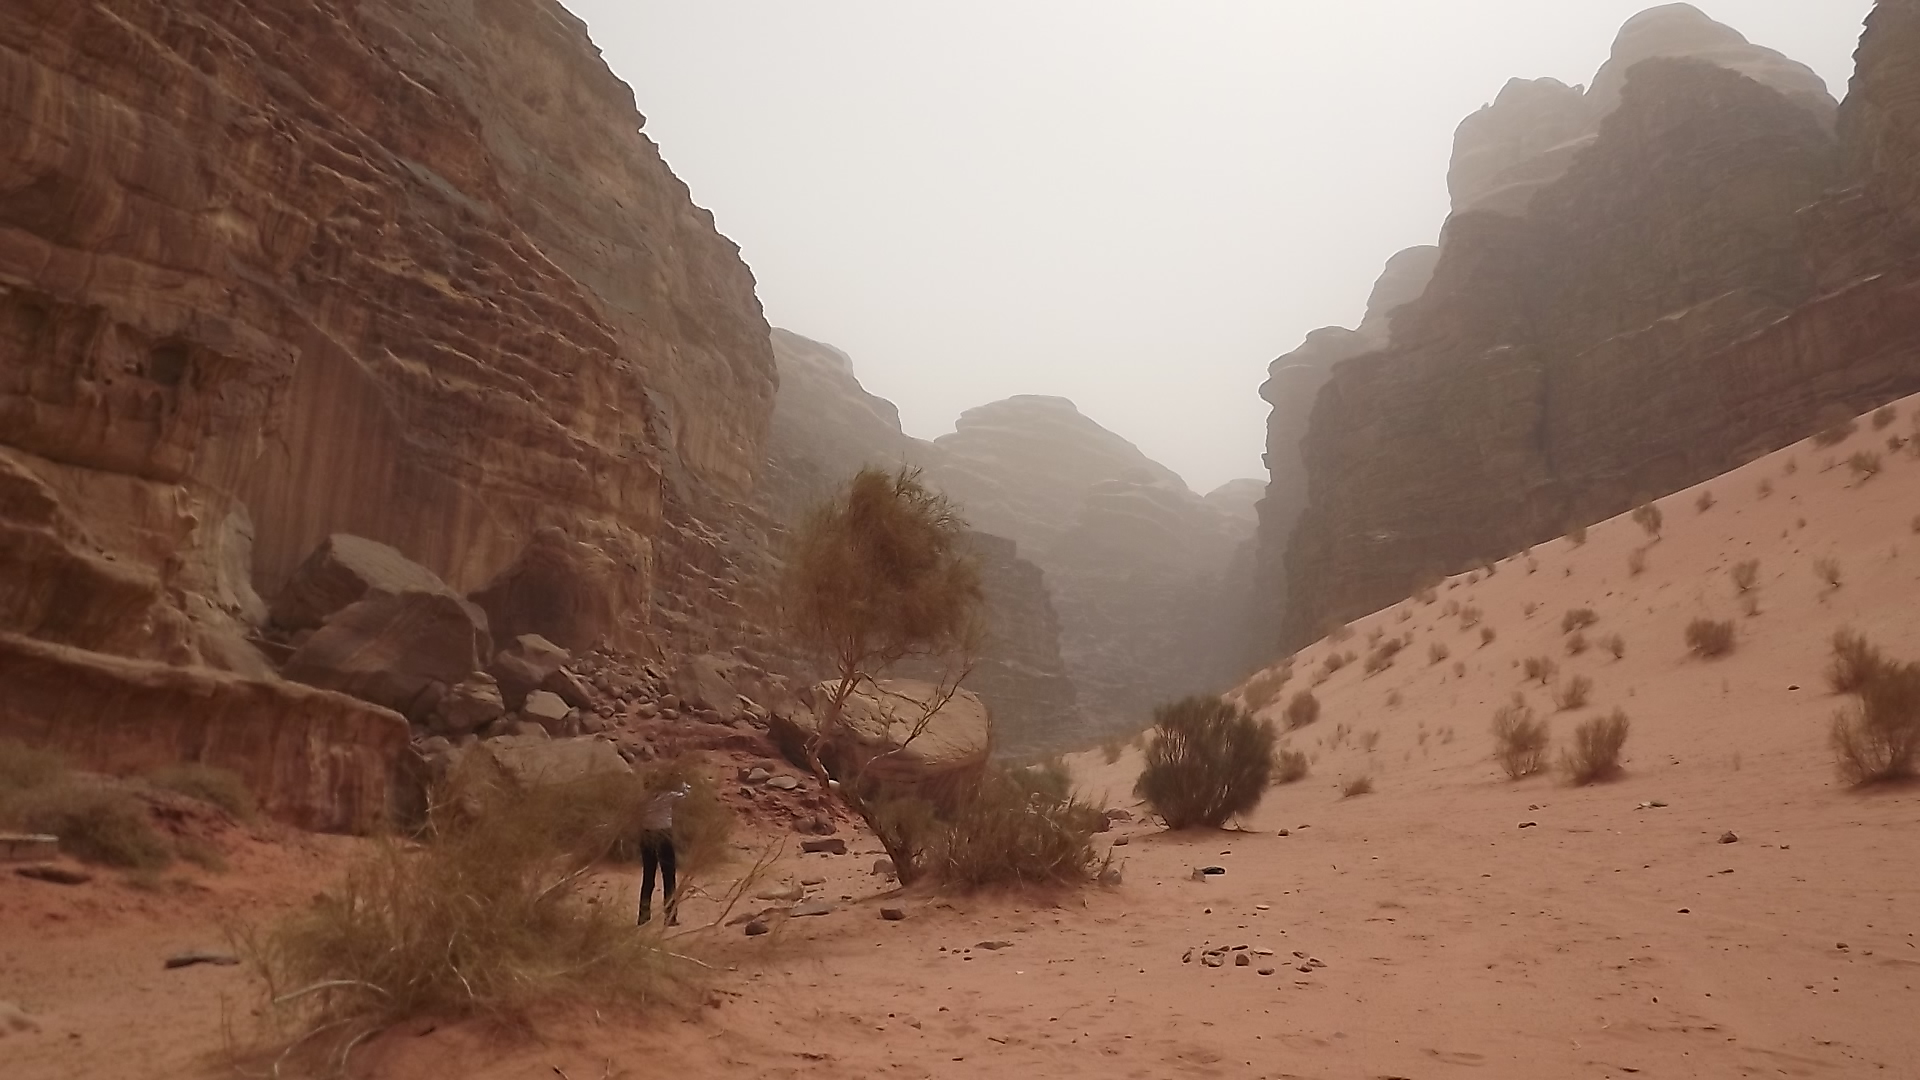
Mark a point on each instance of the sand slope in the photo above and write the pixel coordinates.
(1605, 940)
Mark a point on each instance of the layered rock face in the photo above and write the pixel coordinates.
(1708, 272)
(826, 427)
(407, 271)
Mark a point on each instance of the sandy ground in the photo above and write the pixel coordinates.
(1452, 924)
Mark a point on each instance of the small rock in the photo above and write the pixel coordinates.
(1263, 952)
(1120, 841)
(1110, 876)
(1316, 962)
(791, 893)
(1187, 957)
(15, 1021)
(757, 775)
(1841, 945)
(201, 956)
(893, 914)
(783, 783)
(1284, 832)
(670, 703)
(1307, 968)
(1213, 960)
(831, 845)
(884, 866)
(810, 882)
(1118, 815)
(1729, 837)
(994, 946)
(1529, 824)
(756, 928)
(1266, 971)
(807, 908)
(58, 875)
(1243, 960)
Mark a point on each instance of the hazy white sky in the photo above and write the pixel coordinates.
(1136, 204)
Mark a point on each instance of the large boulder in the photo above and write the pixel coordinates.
(344, 571)
(558, 588)
(401, 651)
(882, 736)
(468, 706)
(550, 761)
(524, 664)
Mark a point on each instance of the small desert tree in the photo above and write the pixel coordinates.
(1207, 762)
(1520, 739)
(877, 575)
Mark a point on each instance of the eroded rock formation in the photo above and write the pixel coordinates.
(409, 271)
(1707, 273)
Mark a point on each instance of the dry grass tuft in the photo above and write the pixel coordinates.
(1877, 738)
(1009, 834)
(1595, 754)
(219, 787)
(1836, 425)
(1577, 534)
(1884, 416)
(1828, 570)
(1766, 488)
(95, 822)
(1304, 709)
(1208, 762)
(1383, 655)
(1578, 619)
(1617, 645)
(1746, 575)
(1705, 502)
(1486, 636)
(1437, 652)
(1289, 767)
(1865, 465)
(1335, 661)
(1264, 689)
(1576, 643)
(1359, 785)
(1470, 617)
(1856, 663)
(1636, 562)
(1573, 693)
(1710, 638)
(1649, 517)
(23, 767)
(1520, 739)
(1541, 669)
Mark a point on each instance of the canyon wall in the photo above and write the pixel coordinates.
(274, 271)
(1628, 312)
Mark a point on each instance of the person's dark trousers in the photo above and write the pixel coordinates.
(656, 851)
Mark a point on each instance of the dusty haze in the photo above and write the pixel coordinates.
(1135, 205)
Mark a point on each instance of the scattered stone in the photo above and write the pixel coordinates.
(524, 664)
(1243, 960)
(1729, 837)
(1110, 876)
(1307, 968)
(1187, 957)
(756, 928)
(791, 893)
(201, 956)
(884, 866)
(1266, 971)
(831, 845)
(994, 946)
(1120, 841)
(545, 708)
(757, 775)
(15, 1021)
(1118, 815)
(569, 688)
(811, 882)
(1529, 824)
(808, 908)
(1315, 962)
(57, 875)
(1214, 960)
(468, 706)
(1263, 907)
(783, 783)
(893, 914)
(1263, 952)
(1841, 945)
(1284, 832)
(671, 702)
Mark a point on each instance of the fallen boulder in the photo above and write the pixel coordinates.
(552, 761)
(398, 650)
(885, 736)
(345, 570)
(558, 588)
(468, 706)
(523, 664)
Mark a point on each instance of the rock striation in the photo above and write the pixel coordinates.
(1723, 258)
(407, 271)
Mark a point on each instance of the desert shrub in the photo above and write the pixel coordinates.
(1335, 661)
(1649, 517)
(1048, 781)
(1855, 664)
(1877, 738)
(1486, 636)
(1766, 488)
(1884, 416)
(1836, 424)
(1792, 466)
(1578, 619)
(1595, 754)
(1576, 643)
(220, 787)
(1529, 608)
(1450, 609)
(1540, 668)
(1007, 833)
(1359, 785)
(1617, 645)
(1705, 502)
(23, 767)
(1289, 766)
(1470, 617)
(1374, 635)
(1264, 689)
(1533, 565)
(1577, 534)
(1370, 741)
(1208, 762)
(487, 918)
(1459, 669)
(1865, 464)
(1520, 739)
(1573, 693)
(1636, 562)
(1895, 444)
(95, 823)
(1382, 656)
(1710, 637)
(1437, 652)
(1828, 570)
(1746, 575)
(1111, 750)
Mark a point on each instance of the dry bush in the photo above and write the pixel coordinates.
(1856, 663)
(1403, 615)
(1792, 466)
(1705, 502)
(1520, 739)
(1111, 750)
(1437, 652)
(1459, 669)
(1450, 609)
(1304, 709)
(1289, 767)
(1877, 738)
(23, 767)
(1577, 534)
(1636, 562)
(1208, 762)
(1595, 754)
(1710, 637)
(1578, 619)
(1008, 834)
(1529, 608)
(1540, 668)
(1648, 517)
(1576, 643)
(1470, 617)
(1746, 575)
(1486, 636)
(1895, 444)
(220, 787)
(95, 822)
(1828, 570)
(1865, 465)
(1766, 488)
(1359, 785)
(1370, 741)
(1533, 565)
(1340, 632)
(1264, 689)
(1615, 644)
(1374, 635)
(1427, 594)
(1884, 416)
(1394, 700)
(1382, 657)
(1573, 693)
(1836, 424)
(486, 919)
(1335, 661)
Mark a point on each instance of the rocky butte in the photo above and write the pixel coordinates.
(407, 272)
(1643, 284)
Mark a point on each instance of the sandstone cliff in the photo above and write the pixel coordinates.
(1707, 273)
(826, 427)
(407, 271)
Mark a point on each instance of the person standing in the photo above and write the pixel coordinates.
(656, 853)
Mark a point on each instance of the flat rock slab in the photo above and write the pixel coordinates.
(58, 875)
(810, 907)
(201, 956)
(831, 845)
(783, 783)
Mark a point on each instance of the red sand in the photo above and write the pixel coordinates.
(1606, 940)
